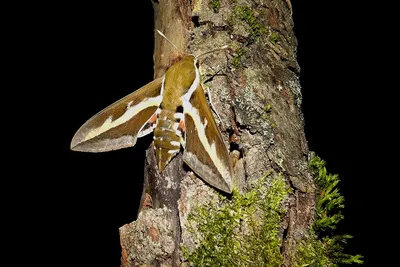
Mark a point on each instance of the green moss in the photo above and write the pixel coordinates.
(239, 54)
(322, 248)
(243, 231)
(274, 37)
(215, 5)
(246, 14)
(267, 115)
(268, 108)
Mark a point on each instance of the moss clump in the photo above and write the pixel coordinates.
(247, 15)
(243, 231)
(329, 200)
(322, 248)
(268, 107)
(215, 5)
(274, 37)
(240, 53)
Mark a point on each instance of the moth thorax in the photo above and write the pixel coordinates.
(167, 136)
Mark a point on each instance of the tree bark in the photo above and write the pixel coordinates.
(256, 92)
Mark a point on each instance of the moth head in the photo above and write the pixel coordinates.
(182, 74)
(185, 69)
(192, 60)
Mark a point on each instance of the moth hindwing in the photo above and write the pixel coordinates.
(176, 108)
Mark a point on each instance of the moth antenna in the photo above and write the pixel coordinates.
(212, 51)
(171, 43)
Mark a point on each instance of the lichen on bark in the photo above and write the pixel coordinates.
(148, 238)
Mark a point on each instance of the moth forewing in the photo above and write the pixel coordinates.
(205, 152)
(119, 125)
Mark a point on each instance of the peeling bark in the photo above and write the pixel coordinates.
(260, 140)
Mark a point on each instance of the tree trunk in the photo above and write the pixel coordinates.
(255, 89)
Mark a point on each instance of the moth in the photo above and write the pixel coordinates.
(175, 109)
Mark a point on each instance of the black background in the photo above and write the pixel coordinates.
(80, 58)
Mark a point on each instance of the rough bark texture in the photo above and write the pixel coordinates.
(255, 89)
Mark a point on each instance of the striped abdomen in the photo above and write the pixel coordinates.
(166, 137)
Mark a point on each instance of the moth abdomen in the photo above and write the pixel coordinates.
(166, 138)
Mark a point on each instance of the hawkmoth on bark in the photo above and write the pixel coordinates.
(175, 108)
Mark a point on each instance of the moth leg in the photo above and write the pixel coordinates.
(183, 142)
(181, 125)
(209, 95)
(149, 126)
(212, 105)
(153, 118)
